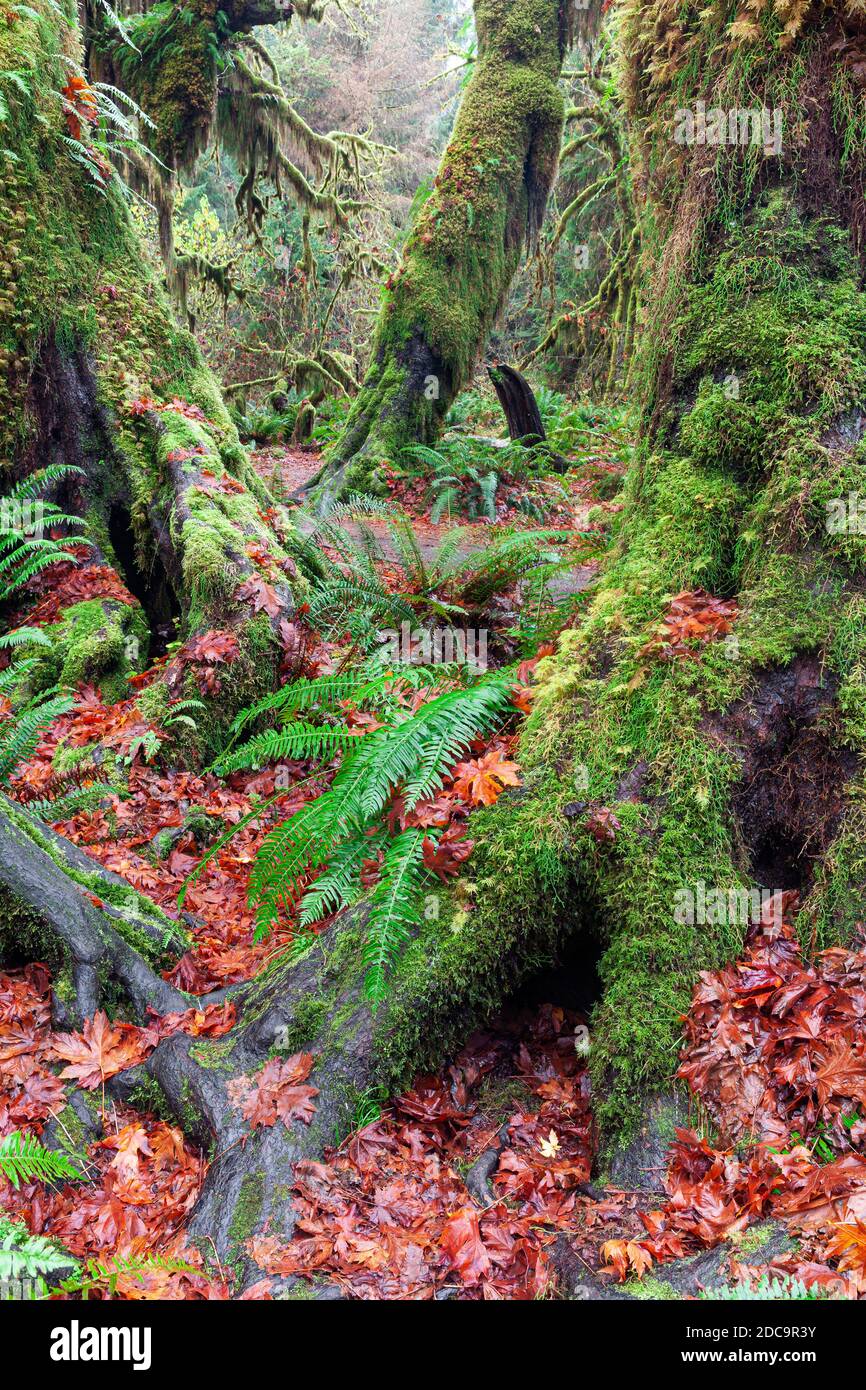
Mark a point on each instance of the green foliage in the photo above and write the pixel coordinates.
(334, 834)
(349, 594)
(103, 1275)
(24, 1159)
(464, 474)
(20, 733)
(24, 548)
(21, 730)
(26, 1257)
(783, 1288)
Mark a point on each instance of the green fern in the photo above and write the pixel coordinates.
(395, 910)
(19, 734)
(64, 805)
(24, 1159)
(296, 741)
(767, 1290)
(23, 556)
(25, 1258)
(411, 754)
(349, 593)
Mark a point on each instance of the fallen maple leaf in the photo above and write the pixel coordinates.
(550, 1146)
(263, 596)
(462, 1243)
(482, 780)
(275, 1093)
(100, 1051)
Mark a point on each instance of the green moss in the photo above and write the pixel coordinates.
(25, 937)
(148, 1098)
(90, 644)
(247, 1212)
(160, 945)
(70, 1134)
(307, 1019)
(754, 1239)
(649, 1288)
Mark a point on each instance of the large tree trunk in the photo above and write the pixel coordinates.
(648, 776)
(98, 375)
(465, 248)
(739, 766)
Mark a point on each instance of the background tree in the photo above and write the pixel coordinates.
(487, 205)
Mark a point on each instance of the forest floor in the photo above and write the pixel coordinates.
(477, 1182)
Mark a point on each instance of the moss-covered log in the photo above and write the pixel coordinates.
(488, 201)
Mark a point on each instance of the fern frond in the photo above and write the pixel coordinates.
(336, 887)
(24, 1159)
(28, 488)
(395, 910)
(420, 750)
(356, 505)
(296, 741)
(324, 693)
(70, 804)
(24, 636)
(25, 1256)
(356, 594)
(19, 736)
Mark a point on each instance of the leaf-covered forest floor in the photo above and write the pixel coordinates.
(478, 1182)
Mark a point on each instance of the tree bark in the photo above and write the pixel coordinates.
(518, 403)
(738, 767)
(487, 204)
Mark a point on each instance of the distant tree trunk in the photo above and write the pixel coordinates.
(488, 203)
(519, 405)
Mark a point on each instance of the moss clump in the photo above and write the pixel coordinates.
(247, 1212)
(25, 937)
(91, 644)
(148, 1098)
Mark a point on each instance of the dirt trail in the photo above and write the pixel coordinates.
(295, 467)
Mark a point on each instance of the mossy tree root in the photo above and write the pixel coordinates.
(97, 932)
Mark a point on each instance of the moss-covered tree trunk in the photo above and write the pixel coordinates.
(731, 766)
(97, 374)
(667, 775)
(488, 202)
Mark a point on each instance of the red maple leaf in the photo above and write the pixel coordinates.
(462, 1243)
(263, 596)
(482, 780)
(100, 1051)
(275, 1093)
